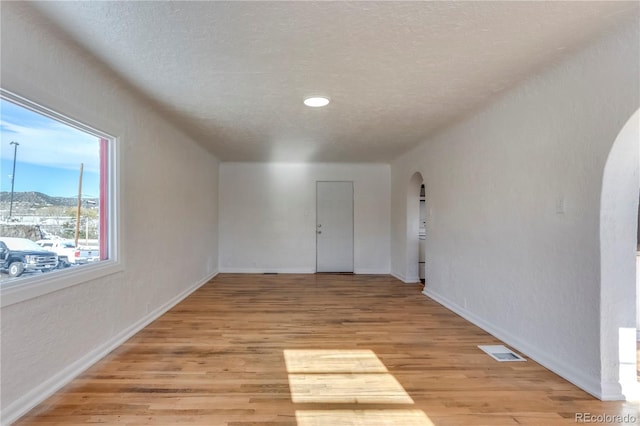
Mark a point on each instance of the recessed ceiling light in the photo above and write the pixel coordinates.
(316, 101)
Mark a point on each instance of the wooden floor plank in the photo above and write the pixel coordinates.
(218, 358)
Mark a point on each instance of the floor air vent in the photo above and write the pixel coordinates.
(501, 353)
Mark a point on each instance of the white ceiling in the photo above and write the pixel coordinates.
(233, 74)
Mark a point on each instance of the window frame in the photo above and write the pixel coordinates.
(38, 285)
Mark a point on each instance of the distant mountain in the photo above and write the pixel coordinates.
(38, 199)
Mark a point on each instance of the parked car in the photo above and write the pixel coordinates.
(19, 255)
(90, 253)
(66, 250)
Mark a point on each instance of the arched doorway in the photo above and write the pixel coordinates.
(422, 236)
(413, 228)
(618, 244)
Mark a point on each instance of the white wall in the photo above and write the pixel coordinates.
(513, 206)
(618, 242)
(168, 209)
(267, 216)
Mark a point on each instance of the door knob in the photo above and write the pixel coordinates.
(319, 232)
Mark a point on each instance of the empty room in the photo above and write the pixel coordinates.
(319, 213)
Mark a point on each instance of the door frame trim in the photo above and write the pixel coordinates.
(353, 221)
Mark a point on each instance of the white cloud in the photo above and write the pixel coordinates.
(50, 143)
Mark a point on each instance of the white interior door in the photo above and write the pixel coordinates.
(334, 226)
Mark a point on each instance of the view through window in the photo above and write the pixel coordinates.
(53, 192)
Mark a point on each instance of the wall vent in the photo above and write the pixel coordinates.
(501, 353)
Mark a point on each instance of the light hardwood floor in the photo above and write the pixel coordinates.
(314, 350)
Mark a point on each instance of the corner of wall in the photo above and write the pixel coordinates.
(565, 370)
(22, 405)
(405, 279)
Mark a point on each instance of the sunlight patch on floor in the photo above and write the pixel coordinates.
(347, 388)
(333, 361)
(347, 377)
(362, 417)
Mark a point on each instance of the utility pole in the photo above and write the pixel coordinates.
(86, 231)
(13, 176)
(79, 205)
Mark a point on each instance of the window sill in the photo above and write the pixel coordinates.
(27, 288)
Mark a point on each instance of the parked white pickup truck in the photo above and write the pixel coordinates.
(91, 253)
(68, 253)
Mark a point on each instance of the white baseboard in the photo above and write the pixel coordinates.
(295, 271)
(410, 280)
(225, 270)
(585, 382)
(611, 392)
(371, 271)
(22, 405)
(397, 276)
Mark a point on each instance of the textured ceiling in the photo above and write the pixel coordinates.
(233, 74)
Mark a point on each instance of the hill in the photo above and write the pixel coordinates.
(38, 199)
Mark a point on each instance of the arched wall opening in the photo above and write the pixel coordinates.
(413, 228)
(618, 244)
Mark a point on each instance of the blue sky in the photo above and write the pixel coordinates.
(49, 155)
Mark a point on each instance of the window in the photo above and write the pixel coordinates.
(57, 199)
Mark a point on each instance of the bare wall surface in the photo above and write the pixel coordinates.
(618, 221)
(267, 215)
(513, 206)
(168, 212)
